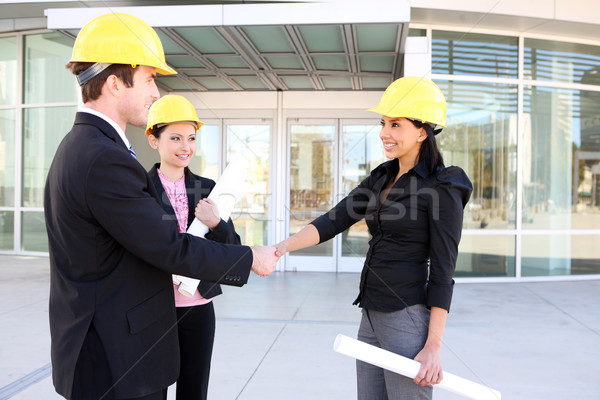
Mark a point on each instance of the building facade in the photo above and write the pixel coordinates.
(288, 91)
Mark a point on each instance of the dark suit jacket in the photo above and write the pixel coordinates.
(197, 188)
(111, 258)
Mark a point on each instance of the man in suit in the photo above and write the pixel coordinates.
(112, 314)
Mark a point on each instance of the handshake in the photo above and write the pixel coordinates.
(264, 258)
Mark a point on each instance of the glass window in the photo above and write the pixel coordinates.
(7, 158)
(8, 70)
(297, 82)
(561, 159)
(229, 62)
(362, 153)
(250, 83)
(376, 37)
(312, 169)
(251, 219)
(210, 83)
(378, 63)
(205, 39)
(284, 62)
(414, 32)
(46, 79)
(334, 82)
(43, 130)
(481, 138)
(322, 38)
(379, 83)
(7, 230)
(331, 62)
(206, 158)
(269, 39)
(549, 60)
(461, 53)
(560, 255)
(34, 237)
(486, 255)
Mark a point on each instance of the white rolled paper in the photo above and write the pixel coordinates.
(225, 194)
(409, 368)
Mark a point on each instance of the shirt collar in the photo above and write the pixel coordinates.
(110, 121)
(419, 169)
(169, 184)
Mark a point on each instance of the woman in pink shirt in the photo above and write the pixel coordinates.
(172, 126)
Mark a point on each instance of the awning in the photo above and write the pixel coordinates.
(267, 47)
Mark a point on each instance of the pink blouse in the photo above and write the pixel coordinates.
(177, 194)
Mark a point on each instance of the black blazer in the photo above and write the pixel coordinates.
(197, 188)
(111, 258)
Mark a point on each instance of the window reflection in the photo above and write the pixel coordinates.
(253, 142)
(8, 70)
(43, 131)
(561, 163)
(7, 158)
(45, 56)
(7, 230)
(549, 60)
(206, 158)
(489, 255)
(311, 179)
(34, 236)
(481, 138)
(461, 53)
(362, 153)
(560, 255)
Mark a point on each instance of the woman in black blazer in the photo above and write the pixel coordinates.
(172, 126)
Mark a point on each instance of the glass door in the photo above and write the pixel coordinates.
(312, 173)
(361, 152)
(206, 159)
(329, 158)
(253, 142)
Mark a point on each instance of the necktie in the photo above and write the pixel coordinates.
(131, 151)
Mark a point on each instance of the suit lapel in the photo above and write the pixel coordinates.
(191, 189)
(84, 118)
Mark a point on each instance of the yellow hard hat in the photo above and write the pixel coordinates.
(171, 108)
(119, 38)
(413, 97)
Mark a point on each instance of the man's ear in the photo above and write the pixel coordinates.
(113, 85)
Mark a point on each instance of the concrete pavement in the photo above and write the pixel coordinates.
(275, 336)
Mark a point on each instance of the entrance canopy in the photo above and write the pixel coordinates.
(270, 47)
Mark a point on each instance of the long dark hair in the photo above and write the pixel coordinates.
(429, 153)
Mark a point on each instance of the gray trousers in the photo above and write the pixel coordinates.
(402, 332)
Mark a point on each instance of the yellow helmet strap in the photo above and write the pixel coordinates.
(84, 76)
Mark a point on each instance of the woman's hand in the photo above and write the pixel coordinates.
(431, 372)
(208, 213)
(280, 248)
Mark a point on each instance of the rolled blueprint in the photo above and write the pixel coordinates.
(409, 368)
(225, 194)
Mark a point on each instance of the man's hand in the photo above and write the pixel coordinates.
(264, 260)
